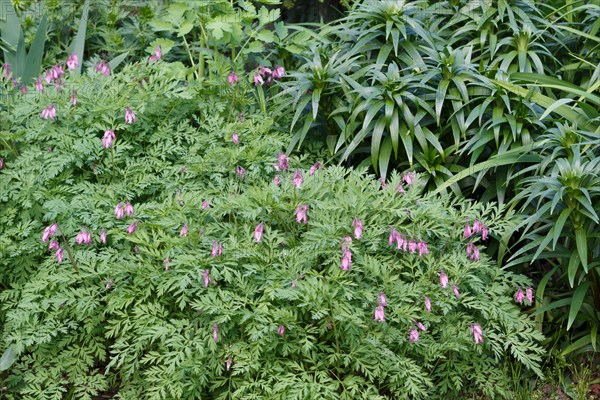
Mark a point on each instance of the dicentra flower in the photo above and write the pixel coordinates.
(130, 117)
(277, 180)
(228, 363)
(156, 56)
(128, 209)
(529, 294)
(258, 79)
(282, 163)
(443, 279)
(408, 177)
(379, 313)
(484, 232)
(235, 138)
(423, 248)
(206, 277)
(6, 68)
(205, 204)
(74, 98)
(413, 336)
(315, 167)
(278, 72)
(54, 245)
(119, 211)
(427, 304)
(48, 232)
(346, 260)
(38, 85)
(358, 227)
(456, 292)
(166, 263)
(1, 163)
(131, 228)
(103, 236)
(108, 139)
(467, 232)
(477, 333)
(184, 231)
(216, 332)
(301, 213)
(281, 330)
(49, 112)
(103, 68)
(421, 327)
(519, 296)
(258, 232)
(217, 249)
(381, 299)
(72, 62)
(83, 237)
(232, 78)
(297, 179)
(60, 255)
(473, 252)
(240, 171)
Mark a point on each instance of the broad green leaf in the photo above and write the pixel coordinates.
(384, 156)
(573, 267)
(576, 302)
(10, 29)
(581, 241)
(8, 358)
(115, 62)
(560, 223)
(554, 106)
(33, 64)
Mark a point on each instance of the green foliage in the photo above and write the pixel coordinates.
(133, 317)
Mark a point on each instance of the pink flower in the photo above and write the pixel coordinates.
(277, 180)
(128, 209)
(108, 139)
(83, 237)
(301, 211)
(6, 68)
(49, 112)
(258, 232)
(393, 236)
(346, 242)
(232, 78)
(282, 163)
(529, 295)
(166, 263)
(54, 245)
(60, 255)
(423, 248)
(184, 231)
(265, 71)
(315, 167)
(473, 252)
(235, 138)
(443, 279)
(38, 85)
(228, 363)
(206, 277)
(217, 249)
(119, 211)
(400, 189)
(519, 296)
(57, 72)
(103, 236)
(358, 227)
(205, 204)
(293, 284)
(346, 260)
(477, 333)
(216, 332)
(48, 232)
(456, 292)
(72, 62)
(477, 226)
(381, 299)
(484, 232)
(421, 327)
(74, 98)
(298, 179)
(240, 171)
(467, 233)
(1, 163)
(156, 56)
(130, 117)
(131, 228)
(412, 246)
(23, 89)
(281, 330)
(408, 177)
(413, 336)
(382, 183)
(379, 313)
(278, 72)
(258, 80)
(427, 304)
(103, 68)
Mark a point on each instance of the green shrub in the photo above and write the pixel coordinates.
(151, 313)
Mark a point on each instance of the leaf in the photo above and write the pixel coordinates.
(593, 336)
(573, 267)
(554, 106)
(8, 358)
(33, 63)
(78, 45)
(384, 156)
(576, 302)
(577, 345)
(10, 29)
(115, 62)
(581, 240)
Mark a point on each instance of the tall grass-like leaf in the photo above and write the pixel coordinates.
(10, 29)
(78, 45)
(115, 62)
(33, 63)
(576, 302)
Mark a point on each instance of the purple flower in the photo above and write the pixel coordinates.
(130, 117)
(346, 260)
(216, 332)
(108, 139)
(258, 232)
(421, 327)
(301, 211)
(217, 249)
(456, 292)
(529, 294)
(206, 277)
(128, 209)
(232, 78)
(282, 163)
(103, 68)
(381, 299)
(477, 333)
(277, 180)
(167, 262)
(427, 304)
(72, 62)
(358, 227)
(103, 236)
(413, 336)
(235, 138)
(408, 177)
(473, 252)
(298, 179)
(315, 167)
(156, 56)
(467, 233)
(278, 72)
(38, 85)
(184, 231)
(49, 112)
(443, 279)
(379, 313)
(60, 255)
(131, 228)
(74, 98)
(205, 204)
(519, 296)
(119, 211)
(54, 245)
(281, 330)
(240, 171)
(258, 80)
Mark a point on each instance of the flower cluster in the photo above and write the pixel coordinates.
(477, 227)
(49, 232)
(156, 56)
(103, 68)
(520, 296)
(266, 75)
(83, 237)
(380, 311)
(346, 254)
(411, 246)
